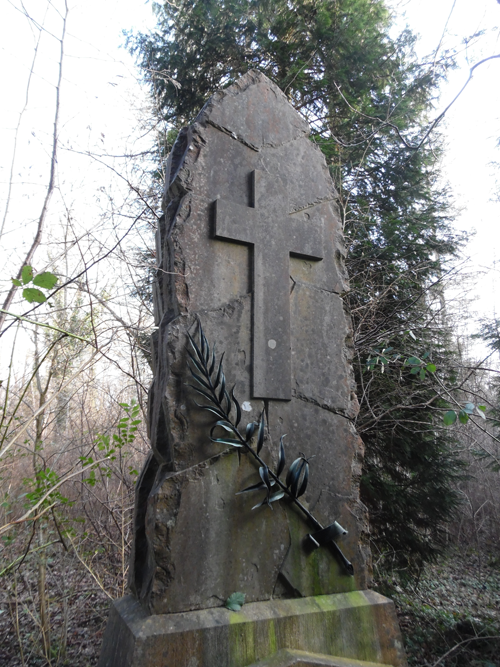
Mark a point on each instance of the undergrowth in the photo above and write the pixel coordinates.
(450, 617)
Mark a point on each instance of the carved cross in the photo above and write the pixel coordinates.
(274, 235)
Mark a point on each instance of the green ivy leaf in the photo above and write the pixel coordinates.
(431, 368)
(17, 282)
(32, 294)
(46, 280)
(469, 408)
(235, 601)
(27, 274)
(463, 417)
(450, 417)
(422, 373)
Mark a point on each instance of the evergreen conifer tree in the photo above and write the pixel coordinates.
(367, 100)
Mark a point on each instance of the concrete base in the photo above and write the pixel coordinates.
(291, 658)
(354, 629)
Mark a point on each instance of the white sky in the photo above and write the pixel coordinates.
(472, 131)
(102, 101)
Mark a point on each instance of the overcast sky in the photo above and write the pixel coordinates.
(471, 128)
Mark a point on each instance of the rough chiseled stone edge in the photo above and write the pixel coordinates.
(251, 78)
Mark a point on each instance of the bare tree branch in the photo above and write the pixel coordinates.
(52, 178)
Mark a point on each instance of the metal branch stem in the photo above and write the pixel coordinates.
(345, 562)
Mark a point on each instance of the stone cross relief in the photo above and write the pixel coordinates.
(274, 234)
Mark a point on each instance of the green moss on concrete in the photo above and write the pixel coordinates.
(273, 644)
(241, 640)
(357, 626)
(236, 617)
(346, 624)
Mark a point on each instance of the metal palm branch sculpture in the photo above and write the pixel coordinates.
(211, 384)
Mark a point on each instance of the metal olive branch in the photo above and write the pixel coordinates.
(212, 386)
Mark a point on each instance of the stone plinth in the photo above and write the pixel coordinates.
(357, 629)
(289, 658)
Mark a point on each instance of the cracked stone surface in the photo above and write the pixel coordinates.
(196, 541)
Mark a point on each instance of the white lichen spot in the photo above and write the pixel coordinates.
(246, 406)
(271, 343)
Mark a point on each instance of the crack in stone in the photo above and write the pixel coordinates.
(312, 507)
(285, 556)
(234, 136)
(316, 287)
(228, 308)
(316, 202)
(336, 411)
(224, 130)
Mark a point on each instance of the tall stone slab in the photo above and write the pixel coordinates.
(250, 246)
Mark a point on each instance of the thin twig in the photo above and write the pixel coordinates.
(47, 403)
(465, 641)
(52, 179)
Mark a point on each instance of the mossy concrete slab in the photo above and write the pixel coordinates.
(291, 658)
(359, 625)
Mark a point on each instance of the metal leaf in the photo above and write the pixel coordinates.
(222, 387)
(205, 348)
(264, 475)
(207, 351)
(281, 460)
(305, 479)
(196, 348)
(203, 393)
(229, 403)
(264, 502)
(200, 380)
(260, 435)
(212, 365)
(254, 487)
(227, 441)
(223, 423)
(250, 431)
(270, 499)
(292, 471)
(294, 486)
(237, 407)
(203, 342)
(196, 363)
(216, 411)
(219, 371)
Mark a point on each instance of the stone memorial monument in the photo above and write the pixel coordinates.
(250, 492)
